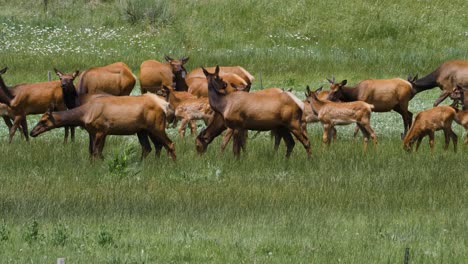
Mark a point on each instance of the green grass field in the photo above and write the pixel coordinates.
(340, 206)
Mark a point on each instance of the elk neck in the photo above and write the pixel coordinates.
(217, 100)
(71, 117)
(316, 104)
(350, 93)
(425, 83)
(5, 93)
(179, 80)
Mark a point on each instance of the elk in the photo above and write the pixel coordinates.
(309, 116)
(337, 113)
(460, 94)
(446, 77)
(144, 115)
(114, 79)
(155, 74)
(5, 97)
(249, 111)
(199, 86)
(238, 70)
(429, 121)
(33, 98)
(384, 94)
(191, 110)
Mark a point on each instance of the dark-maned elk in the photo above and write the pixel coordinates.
(337, 113)
(384, 94)
(154, 75)
(116, 79)
(5, 97)
(460, 94)
(447, 76)
(33, 98)
(429, 121)
(246, 111)
(144, 115)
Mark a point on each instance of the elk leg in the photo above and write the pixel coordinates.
(182, 126)
(237, 142)
(157, 145)
(447, 137)
(299, 134)
(91, 145)
(288, 140)
(356, 131)
(445, 93)
(193, 127)
(278, 135)
(365, 134)
(326, 128)
(406, 118)
(454, 139)
(98, 145)
(7, 121)
(144, 143)
(226, 138)
(72, 134)
(431, 141)
(16, 123)
(420, 138)
(65, 137)
(163, 139)
(24, 126)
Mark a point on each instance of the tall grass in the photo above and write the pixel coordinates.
(339, 206)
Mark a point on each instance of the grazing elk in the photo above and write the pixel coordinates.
(144, 115)
(429, 121)
(460, 94)
(33, 98)
(114, 79)
(384, 94)
(336, 113)
(155, 74)
(246, 111)
(447, 76)
(199, 86)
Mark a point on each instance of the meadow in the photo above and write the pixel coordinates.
(340, 206)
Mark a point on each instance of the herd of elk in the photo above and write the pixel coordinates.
(100, 103)
(154, 75)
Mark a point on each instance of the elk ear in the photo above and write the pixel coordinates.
(184, 60)
(415, 78)
(330, 81)
(167, 58)
(307, 90)
(344, 82)
(319, 89)
(75, 74)
(2, 71)
(59, 74)
(217, 70)
(205, 72)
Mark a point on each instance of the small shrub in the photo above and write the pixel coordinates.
(4, 232)
(155, 12)
(59, 235)
(122, 163)
(31, 233)
(105, 237)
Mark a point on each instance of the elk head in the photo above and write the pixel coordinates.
(336, 90)
(46, 123)
(177, 65)
(215, 82)
(66, 79)
(412, 80)
(201, 142)
(312, 95)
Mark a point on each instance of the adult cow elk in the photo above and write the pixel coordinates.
(199, 86)
(246, 111)
(429, 121)
(115, 79)
(144, 115)
(154, 74)
(237, 70)
(33, 98)
(342, 113)
(384, 94)
(447, 76)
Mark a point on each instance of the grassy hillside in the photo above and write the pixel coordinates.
(342, 205)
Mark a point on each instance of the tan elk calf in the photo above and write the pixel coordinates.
(336, 113)
(460, 94)
(154, 75)
(191, 110)
(429, 121)
(144, 115)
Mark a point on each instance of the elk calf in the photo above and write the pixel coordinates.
(335, 113)
(429, 121)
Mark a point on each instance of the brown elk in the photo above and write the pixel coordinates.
(144, 115)
(155, 74)
(447, 76)
(238, 70)
(460, 94)
(199, 86)
(429, 121)
(34, 98)
(384, 94)
(6, 95)
(246, 111)
(114, 79)
(336, 113)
